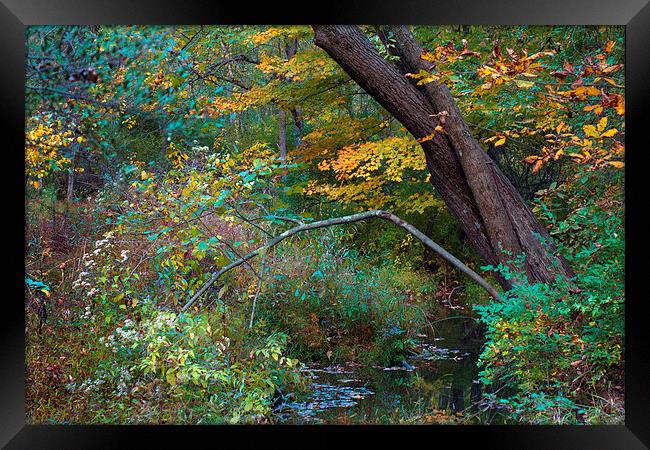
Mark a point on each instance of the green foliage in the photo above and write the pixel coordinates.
(195, 365)
(552, 349)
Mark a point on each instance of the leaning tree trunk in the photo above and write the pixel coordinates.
(497, 221)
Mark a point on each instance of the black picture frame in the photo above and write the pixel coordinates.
(15, 15)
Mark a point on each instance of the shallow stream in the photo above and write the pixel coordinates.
(440, 377)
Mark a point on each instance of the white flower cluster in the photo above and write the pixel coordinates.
(88, 314)
(163, 320)
(204, 148)
(124, 255)
(92, 384)
(88, 385)
(82, 281)
(127, 333)
(122, 386)
(224, 343)
(89, 263)
(104, 243)
(109, 342)
(123, 336)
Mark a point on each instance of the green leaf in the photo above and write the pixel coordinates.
(524, 84)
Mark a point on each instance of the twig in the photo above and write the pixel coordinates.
(259, 289)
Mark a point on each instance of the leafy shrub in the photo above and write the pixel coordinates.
(337, 304)
(552, 349)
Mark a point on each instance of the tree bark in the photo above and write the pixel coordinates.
(282, 134)
(298, 124)
(497, 221)
(69, 195)
(290, 50)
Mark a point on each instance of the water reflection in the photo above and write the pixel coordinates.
(442, 376)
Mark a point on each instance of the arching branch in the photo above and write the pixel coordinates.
(386, 215)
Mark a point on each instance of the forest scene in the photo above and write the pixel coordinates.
(325, 224)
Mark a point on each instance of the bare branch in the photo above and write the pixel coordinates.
(350, 219)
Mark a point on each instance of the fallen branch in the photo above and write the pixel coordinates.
(350, 219)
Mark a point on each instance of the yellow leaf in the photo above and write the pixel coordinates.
(617, 164)
(537, 166)
(134, 302)
(602, 123)
(144, 175)
(612, 82)
(592, 91)
(609, 133)
(500, 142)
(171, 377)
(590, 130)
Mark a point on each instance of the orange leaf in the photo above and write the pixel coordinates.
(427, 138)
(597, 109)
(620, 108)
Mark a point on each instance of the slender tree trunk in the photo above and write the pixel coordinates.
(490, 211)
(298, 124)
(290, 50)
(282, 134)
(69, 195)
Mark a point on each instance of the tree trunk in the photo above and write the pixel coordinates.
(490, 211)
(298, 124)
(69, 194)
(282, 134)
(290, 50)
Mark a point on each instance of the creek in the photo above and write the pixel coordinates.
(441, 375)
